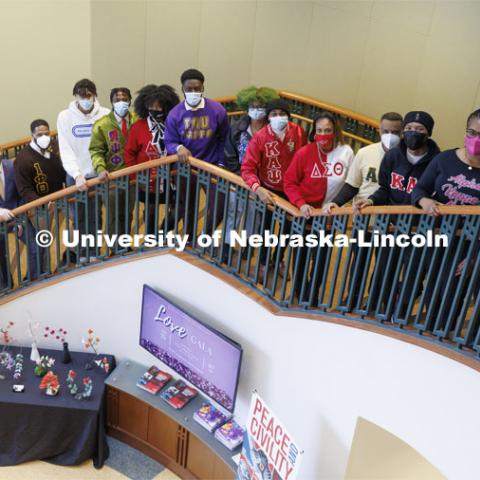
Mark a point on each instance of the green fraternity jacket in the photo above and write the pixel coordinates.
(107, 144)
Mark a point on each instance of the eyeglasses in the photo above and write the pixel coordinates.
(472, 133)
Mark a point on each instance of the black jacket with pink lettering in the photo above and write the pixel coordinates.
(397, 176)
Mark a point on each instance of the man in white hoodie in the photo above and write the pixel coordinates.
(74, 127)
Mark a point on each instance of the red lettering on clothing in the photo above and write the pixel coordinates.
(412, 181)
(396, 182)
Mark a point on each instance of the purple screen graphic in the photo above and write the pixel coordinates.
(203, 356)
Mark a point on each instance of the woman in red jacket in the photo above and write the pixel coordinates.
(267, 158)
(315, 175)
(146, 142)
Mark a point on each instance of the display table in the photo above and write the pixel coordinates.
(59, 429)
(172, 437)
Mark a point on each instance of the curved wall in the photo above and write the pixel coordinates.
(318, 377)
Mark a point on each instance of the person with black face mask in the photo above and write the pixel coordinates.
(146, 140)
(400, 170)
(402, 166)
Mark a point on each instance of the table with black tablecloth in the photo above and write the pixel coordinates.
(58, 429)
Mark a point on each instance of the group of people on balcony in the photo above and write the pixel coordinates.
(273, 154)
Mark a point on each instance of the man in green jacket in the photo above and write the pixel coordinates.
(107, 145)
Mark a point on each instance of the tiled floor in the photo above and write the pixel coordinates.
(124, 463)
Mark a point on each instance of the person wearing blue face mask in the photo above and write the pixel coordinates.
(107, 145)
(254, 101)
(74, 126)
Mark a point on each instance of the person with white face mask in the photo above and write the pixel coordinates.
(362, 178)
(271, 150)
(198, 127)
(268, 157)
(253, 100)
(38, 168)
(107, 146)
(38, 172)
(74, 126)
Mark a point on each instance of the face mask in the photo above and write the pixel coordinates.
(390, 140)
(121, 108)
(414, 139)
(43, 141)
(472, 144)
(257, 113)
(157, 115)
(325, 140)
(86, 104)
(193, 98)
(279, 123)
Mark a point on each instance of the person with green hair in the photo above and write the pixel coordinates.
(253, 100)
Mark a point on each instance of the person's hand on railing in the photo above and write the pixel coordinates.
(103, 176)
(357, 206)
(430, 206)
(306, 210)
(183, 154)
(264, 195)
(328, 207)
(81, 183)
(6, 215)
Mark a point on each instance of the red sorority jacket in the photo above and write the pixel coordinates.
(267, 157)
(302, 187)
(140, 149)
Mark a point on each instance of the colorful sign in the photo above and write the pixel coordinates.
(268, 452)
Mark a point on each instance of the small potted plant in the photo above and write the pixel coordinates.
(43, 365)
(91, 342)
(50, 384)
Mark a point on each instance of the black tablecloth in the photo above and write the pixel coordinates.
(59, 429)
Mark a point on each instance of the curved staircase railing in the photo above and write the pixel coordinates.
(416, 292)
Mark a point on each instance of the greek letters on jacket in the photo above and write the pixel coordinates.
(397, 182)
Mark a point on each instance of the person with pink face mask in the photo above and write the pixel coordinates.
(452, 178)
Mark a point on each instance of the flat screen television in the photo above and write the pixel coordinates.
(202, 355)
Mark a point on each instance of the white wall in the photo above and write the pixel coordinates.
(318, 377)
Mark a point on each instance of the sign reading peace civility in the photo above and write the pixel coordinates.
(269, 452)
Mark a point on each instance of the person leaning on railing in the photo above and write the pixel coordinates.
(146, 141)
(315, 175)
(362, 181)
(267, 158)
(254, 100)
(362, 178)
(452, 178)
(107, 150)
(74, 126)
(400, 170)
(197, 127)
(39, 172)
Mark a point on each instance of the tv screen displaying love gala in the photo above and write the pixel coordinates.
(202, 355)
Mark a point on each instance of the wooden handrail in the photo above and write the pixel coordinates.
(237, 180)
(331, 107)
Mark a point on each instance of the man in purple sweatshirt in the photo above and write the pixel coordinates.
(197, 127)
